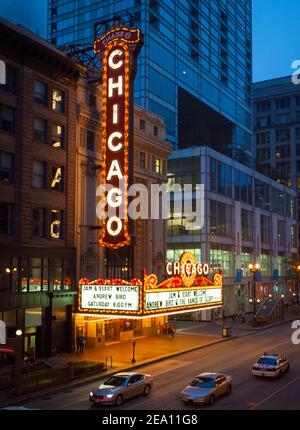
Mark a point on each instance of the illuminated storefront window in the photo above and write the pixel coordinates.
(246, 259)
(174, 254)
(266, 264)
(281, 265)
(222, 259)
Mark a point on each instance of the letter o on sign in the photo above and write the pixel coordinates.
(110, 224)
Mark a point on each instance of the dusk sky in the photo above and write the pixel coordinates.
(276, 37)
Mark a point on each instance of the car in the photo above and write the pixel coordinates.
(121, 387)
(270, 365)
(206, 387)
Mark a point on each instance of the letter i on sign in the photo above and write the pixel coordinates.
(118, 50)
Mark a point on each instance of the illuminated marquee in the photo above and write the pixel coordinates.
(118, 50)
(148, 297)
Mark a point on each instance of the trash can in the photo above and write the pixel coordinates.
(226, 331)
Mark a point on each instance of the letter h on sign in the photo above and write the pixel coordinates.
(118, 56)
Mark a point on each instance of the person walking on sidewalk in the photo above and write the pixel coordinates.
(81, 344)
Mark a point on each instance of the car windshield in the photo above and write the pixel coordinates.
(116, 381)
(267, 360)
(203, 382)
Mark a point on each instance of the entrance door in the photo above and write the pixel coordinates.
(29, 341)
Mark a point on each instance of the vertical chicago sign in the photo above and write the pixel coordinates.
(118, 50)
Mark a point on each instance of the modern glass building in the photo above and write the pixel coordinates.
(195, 68)
(30, 14)
(247, 218)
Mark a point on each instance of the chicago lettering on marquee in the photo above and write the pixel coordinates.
(118, 50)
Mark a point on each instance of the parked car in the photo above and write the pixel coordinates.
(121, 387)
(270, 365)
(206, 387)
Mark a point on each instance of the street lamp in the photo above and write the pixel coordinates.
(254, 268)
(133, 352)
(18, 360)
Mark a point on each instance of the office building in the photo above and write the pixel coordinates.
(248, 218)
(194, 69)
(277, 131)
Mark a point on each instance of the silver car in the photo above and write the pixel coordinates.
(120, 387)
(206, 387)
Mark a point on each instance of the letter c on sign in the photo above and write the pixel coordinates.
(115, 135)
(111, 231)
(113, 54)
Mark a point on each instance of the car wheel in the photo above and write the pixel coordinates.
(288, 368)
(229, 389)
(211, 400)
(119, 400)
(147, 390)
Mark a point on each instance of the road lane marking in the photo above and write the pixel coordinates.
(274, 393)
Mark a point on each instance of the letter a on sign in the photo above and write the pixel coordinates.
(117, 50)
(2, 332)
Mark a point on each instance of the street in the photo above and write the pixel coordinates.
(234, 357)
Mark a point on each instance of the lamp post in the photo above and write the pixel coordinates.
(254, 268)
(133, 352)
(18, 360)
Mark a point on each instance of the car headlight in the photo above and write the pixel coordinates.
(91, 393)
(109, 396)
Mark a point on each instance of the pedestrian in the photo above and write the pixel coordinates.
(233, 317)
(158, 330)
(81, 344)
(223, 315)
(78, 343)
(243, 317)
(165, 330)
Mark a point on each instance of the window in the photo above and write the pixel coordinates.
(265, 229)
(283, 151)
(6, 166)
(281, 232)
(92, 100)
(56, 224)
(58, 274)
(263, 121)
(38, 222)
(57, 180)
(7, 118)
(142, 160)
(11, 80)
(282, 135)
(40, 130)
(221, 259)
(282, 103)
(265, 264)
(263, 138)
(220, 178)
(58, 136)
(5, 218)
(142, 124)
(90, 140)
(39, 174)
(58, 101)
(247, 224)
(221, 219)
(263, 106)
(155, 131)
(158, 165)
(39, 275)
(41, 93)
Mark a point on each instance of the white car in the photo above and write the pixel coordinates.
(270, 365)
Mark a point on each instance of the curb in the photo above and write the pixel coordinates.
(57, 389)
